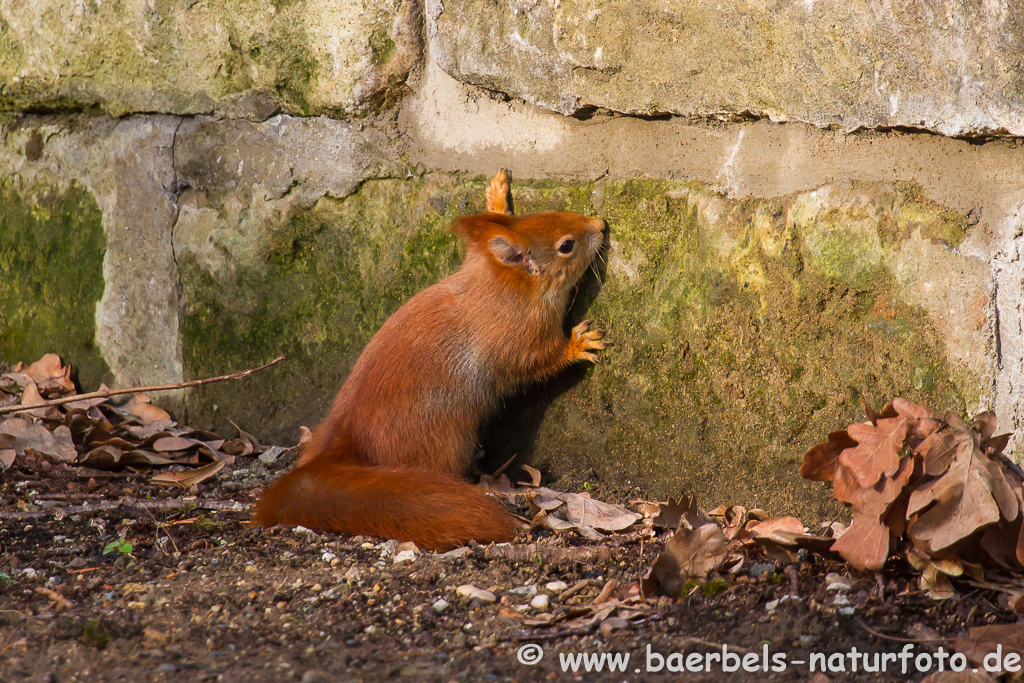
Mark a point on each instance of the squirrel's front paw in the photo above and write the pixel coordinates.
(584, 341)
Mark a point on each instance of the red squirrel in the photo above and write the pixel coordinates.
(388, 459)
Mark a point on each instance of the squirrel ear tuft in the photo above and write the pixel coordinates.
(511, 254)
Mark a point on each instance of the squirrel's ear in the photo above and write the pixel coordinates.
(476, 227)
(509, 253)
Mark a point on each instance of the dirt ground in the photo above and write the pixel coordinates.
(202, 596)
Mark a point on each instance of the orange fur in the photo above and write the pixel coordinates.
(404, 425)
(499, 193)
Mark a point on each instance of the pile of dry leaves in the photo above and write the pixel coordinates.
(931, 488)
(87, 438)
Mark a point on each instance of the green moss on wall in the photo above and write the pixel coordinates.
(51, 276)
(744, 331)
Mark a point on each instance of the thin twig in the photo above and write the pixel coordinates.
(116, 392)
(885, 636)
(605, 593)
(170, 504)
(580, 585)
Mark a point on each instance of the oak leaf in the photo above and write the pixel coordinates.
(965, 500)
(921, 422)
(865, 544)
(690, 553)
(820, 461)
(877, 451)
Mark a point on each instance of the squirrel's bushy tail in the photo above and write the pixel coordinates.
(432, 510)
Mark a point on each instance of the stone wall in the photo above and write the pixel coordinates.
(806, 204)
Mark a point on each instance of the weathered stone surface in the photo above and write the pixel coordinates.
(51, 274)
(121, 171)
(953, 66)
(256, 191)
(744, 330)
(245, 59)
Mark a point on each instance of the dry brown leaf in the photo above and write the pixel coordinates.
(769, 529)
(820, 461)
(964, 500)
(940, 455)
(1001, 491)
(500, 486)
(675, 510)
(998, 443)
(734, 522)
(252, 444)
(188, 478)
(921, 422)
(999, 541)
(543, 520)
(845, 485)
(874, 501)
(648, 509)
(877, 451)
(983, 640)
(985, 424)
(7, 456)
(585, 511)
(534, 474)
(690, 553)
(874, 416)
(543, 499)
(865, 544)
(31, 396)
(49, 370)
(140, 406)
(27, 435)
(174, 443)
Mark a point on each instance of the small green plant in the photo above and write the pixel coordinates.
(121, 546)
(4, 578)
(96, 634)
(587, 486)
(206, 525)
(714, 587)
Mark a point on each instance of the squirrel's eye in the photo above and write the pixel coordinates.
(566, 247)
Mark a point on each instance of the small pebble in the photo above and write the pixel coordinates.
(441, 605)
(405, 556)
(847, 611)
(473, 593)
(556, 586)
(772, 605)
(539, 602)
(523, 590)
(838, 583)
